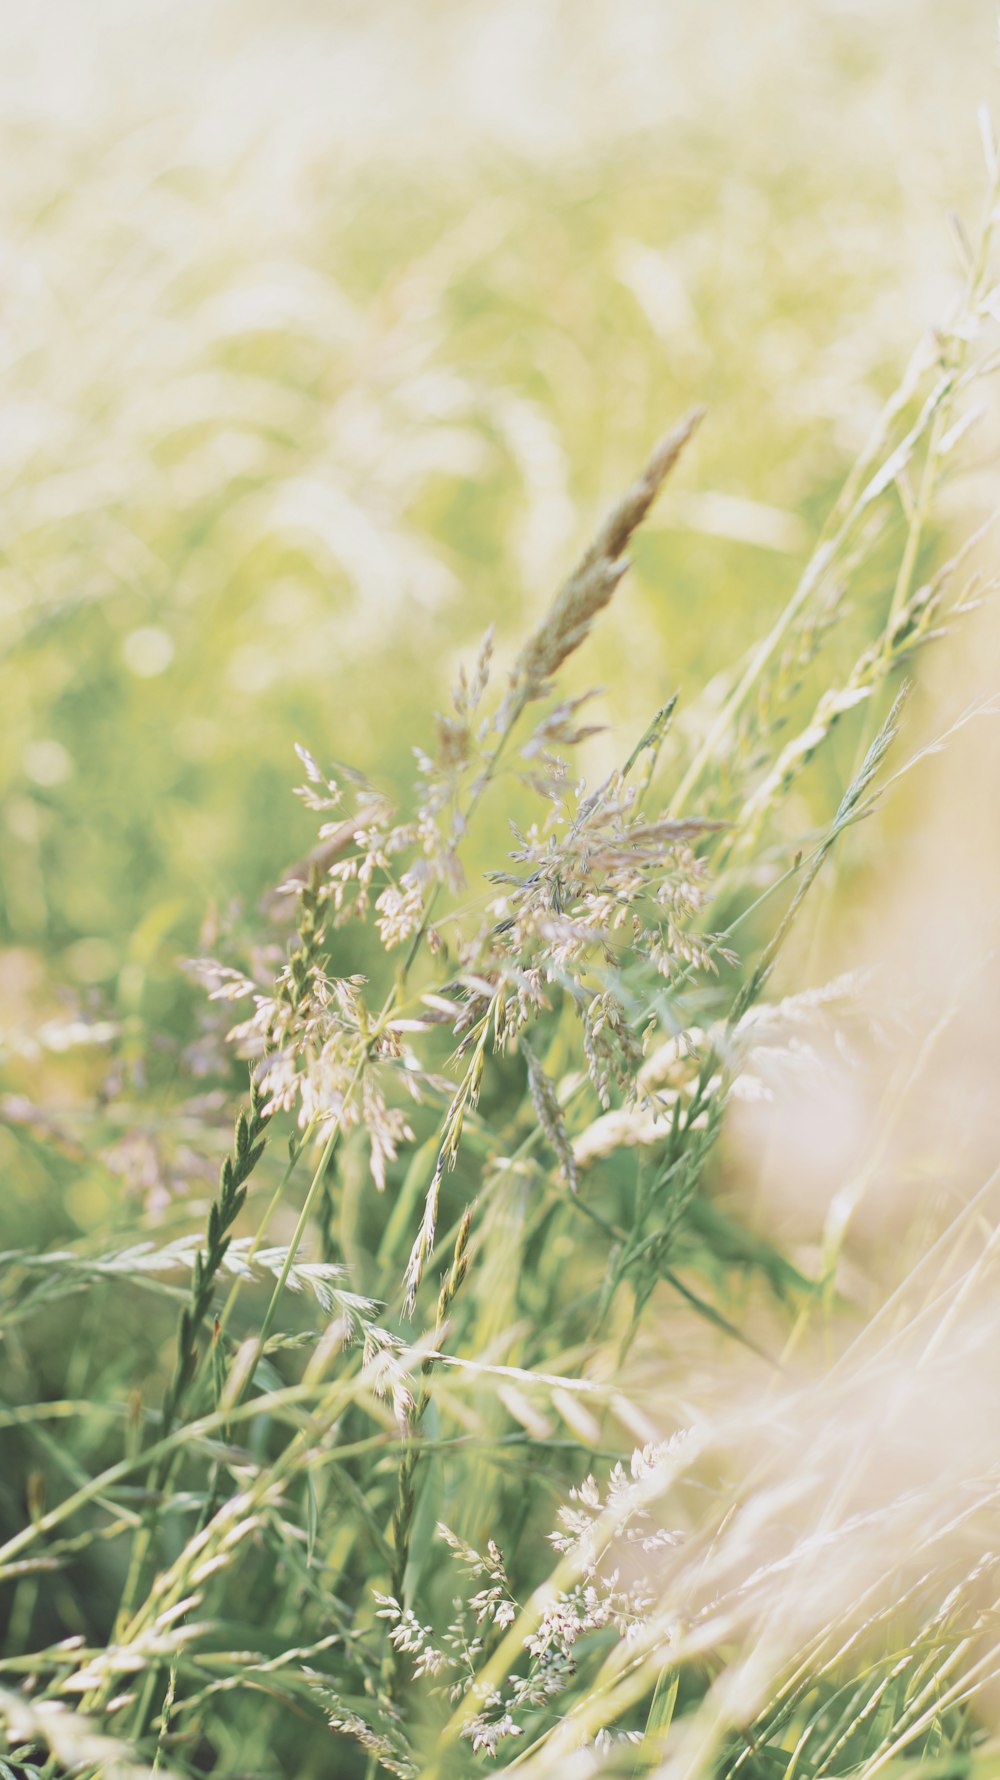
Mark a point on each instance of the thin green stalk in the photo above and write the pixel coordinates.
(292, 1249)
(248, 1147)
(289, 1396)
(402, 1520)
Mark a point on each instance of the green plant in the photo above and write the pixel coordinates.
(250, 1555)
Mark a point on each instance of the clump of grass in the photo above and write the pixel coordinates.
(419, 1352)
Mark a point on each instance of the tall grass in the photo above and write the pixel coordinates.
(523, 1295)
(338, 322)
(473, 1413)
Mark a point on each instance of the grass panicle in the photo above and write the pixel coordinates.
(584, 1360)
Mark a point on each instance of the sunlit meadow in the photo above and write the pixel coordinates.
(498, 889)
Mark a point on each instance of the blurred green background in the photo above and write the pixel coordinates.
(328, 330)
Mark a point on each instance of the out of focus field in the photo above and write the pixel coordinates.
(328, 330)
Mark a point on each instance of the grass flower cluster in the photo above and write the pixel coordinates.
(452, 1407)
